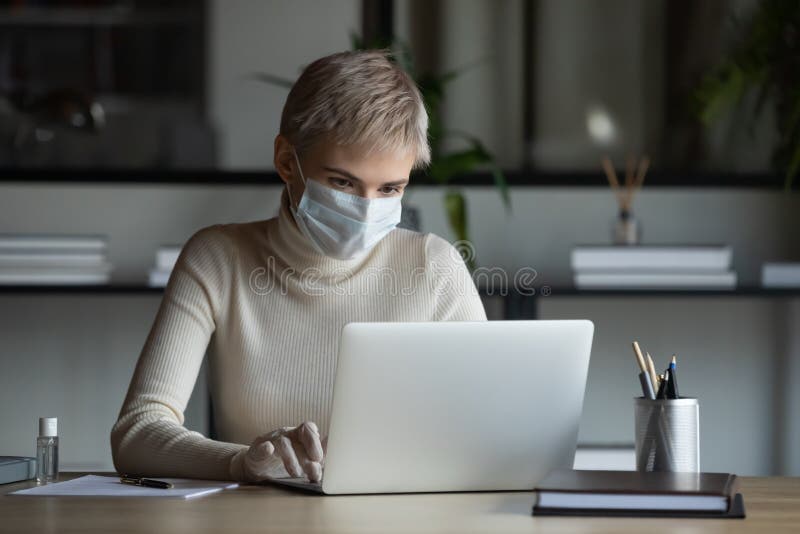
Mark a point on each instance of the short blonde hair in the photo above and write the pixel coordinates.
(359, 97)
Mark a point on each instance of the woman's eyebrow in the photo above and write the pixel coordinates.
(359, 180)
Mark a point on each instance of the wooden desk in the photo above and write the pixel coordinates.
(773, 505)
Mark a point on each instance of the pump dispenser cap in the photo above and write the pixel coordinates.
(48, 426)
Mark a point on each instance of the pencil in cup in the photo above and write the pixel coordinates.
(667, 433)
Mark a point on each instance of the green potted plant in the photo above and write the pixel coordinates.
(766, 59)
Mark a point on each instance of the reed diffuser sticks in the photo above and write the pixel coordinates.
(635, 172)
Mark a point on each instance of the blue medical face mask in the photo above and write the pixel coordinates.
(341, 225)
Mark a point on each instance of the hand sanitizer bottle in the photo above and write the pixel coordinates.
(47, 450)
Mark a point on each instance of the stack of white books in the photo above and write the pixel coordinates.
(653, 267)
(41, 259)
(780, 275)
(166, 256)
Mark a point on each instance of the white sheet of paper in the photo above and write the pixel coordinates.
(97, 486)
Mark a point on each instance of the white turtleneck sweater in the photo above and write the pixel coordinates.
(270, 310)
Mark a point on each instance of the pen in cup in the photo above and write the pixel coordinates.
(673, 380)
(651, 367)
(644, 376)
(662, 389)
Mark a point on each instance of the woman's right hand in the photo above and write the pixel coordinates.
(298, 450)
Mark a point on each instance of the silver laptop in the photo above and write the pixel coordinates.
(453, 406)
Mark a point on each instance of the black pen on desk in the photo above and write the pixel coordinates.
(146, 482)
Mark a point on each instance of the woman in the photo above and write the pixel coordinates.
(269, 298)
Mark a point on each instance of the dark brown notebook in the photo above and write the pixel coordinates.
(631, 493)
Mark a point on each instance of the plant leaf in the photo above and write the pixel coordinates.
(444, 168)
(720, 92)
(501, 184)
(456, 207)
(486, 157)
(356, 42)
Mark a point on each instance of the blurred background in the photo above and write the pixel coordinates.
(125, 126)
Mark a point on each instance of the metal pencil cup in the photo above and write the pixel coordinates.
(667, 434)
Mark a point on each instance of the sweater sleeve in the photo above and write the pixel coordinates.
(149, 438)
(457, 298)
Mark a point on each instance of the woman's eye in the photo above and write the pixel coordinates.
(341, 183)
(390, 190)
